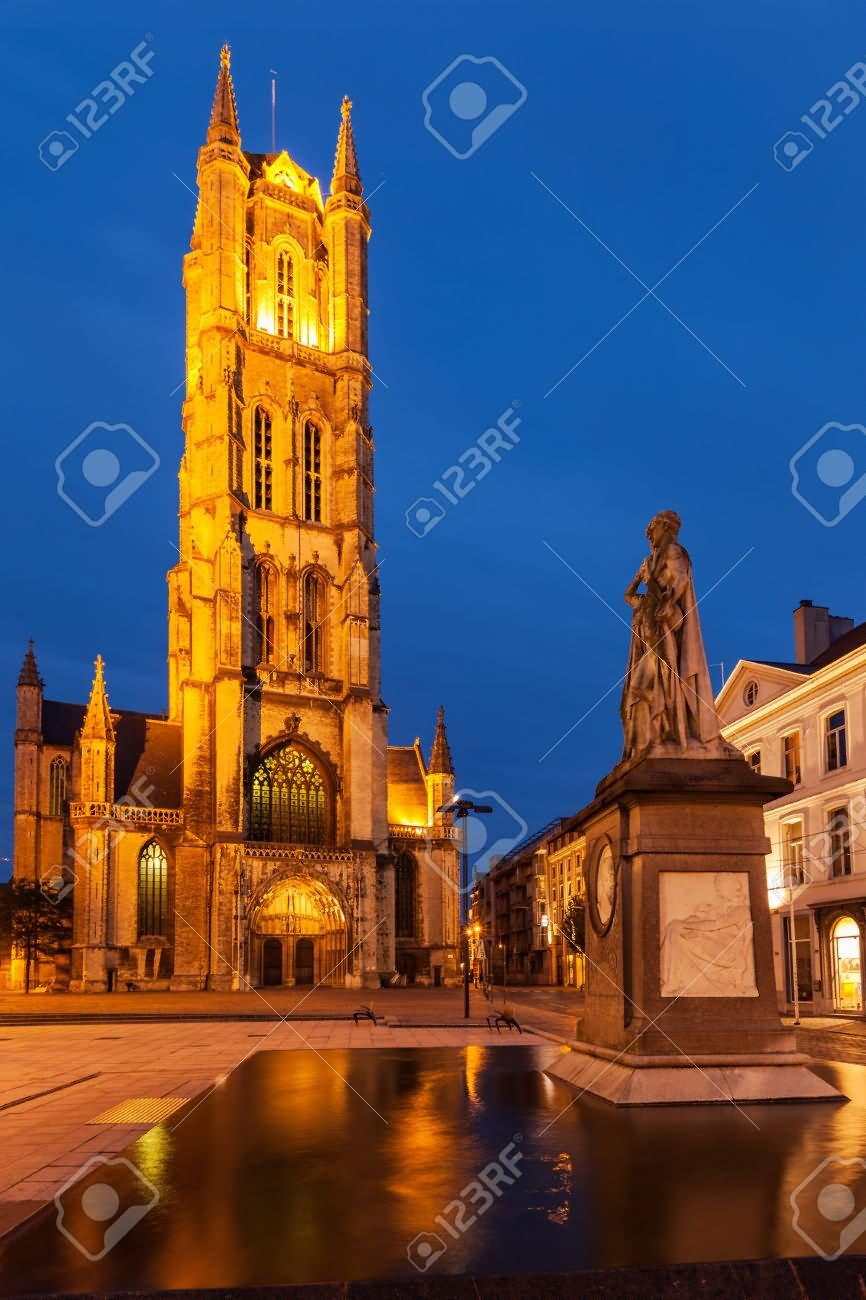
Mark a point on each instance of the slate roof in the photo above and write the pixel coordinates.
(148, 756)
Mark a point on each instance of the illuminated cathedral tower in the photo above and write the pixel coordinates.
(279, 840)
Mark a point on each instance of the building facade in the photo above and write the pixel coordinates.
(512, 938)
(806, 719)
(565, 881)
(261, 832)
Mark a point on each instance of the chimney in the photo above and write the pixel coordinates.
(815, 630)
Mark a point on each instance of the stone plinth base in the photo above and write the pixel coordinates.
(630, 1080)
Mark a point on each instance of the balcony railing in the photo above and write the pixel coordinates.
(127, 814)
(400, 832)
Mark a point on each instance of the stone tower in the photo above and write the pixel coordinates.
(274, 603)
(262, 832)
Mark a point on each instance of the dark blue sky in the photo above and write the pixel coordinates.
(650, 123)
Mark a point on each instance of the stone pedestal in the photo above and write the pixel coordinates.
(681, 1001)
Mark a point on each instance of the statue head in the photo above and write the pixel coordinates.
(663, 527)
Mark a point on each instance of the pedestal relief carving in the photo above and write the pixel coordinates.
(706, 935)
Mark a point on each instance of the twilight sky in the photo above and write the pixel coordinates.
(639, 156)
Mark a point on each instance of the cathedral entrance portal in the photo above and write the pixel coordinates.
(298, 935)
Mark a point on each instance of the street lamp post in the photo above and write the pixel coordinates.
(461, 808)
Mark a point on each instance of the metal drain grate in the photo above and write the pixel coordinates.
(140, 1110)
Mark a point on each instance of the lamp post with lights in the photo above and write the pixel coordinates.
(461, 808)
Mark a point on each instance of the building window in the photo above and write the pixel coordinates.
(266, 600)
(263, 449)
(754, 760)
(404, 897)
(58, 775)
(792, 853)
(314, 614)
(312, 472)
(750, 693)
(791, 757)
(836, 740)
(839, 829)
(285, 314)
(287, 800)
(152, 891)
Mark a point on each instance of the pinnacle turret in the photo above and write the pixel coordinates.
(97, 721)
(346, 178)
(440, 755)
(29, 675)
(224, 114)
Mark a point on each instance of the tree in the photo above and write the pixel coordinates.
(36, 920)
(574, 923)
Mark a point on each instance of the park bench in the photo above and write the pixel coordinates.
(506, 1018)
(364, 1013)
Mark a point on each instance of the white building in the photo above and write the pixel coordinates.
(807, 720)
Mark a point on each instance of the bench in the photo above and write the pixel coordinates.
(131, 986)
(364, 1013)
(503, 1018)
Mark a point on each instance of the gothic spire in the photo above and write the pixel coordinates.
(440, 755)
(29, 675)
(97, 721)
(224, 114)
(346, 178)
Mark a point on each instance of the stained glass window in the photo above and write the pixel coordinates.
(57, 777)
(152, 890)
(287, 803)
(404, 896)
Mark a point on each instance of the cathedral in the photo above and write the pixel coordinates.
(262, 831)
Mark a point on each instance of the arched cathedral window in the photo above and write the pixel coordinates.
(312, 472)
(314, 617)
(287, 799)
(263, 450)
(266, 600)
(285, 303)
(152, 890)
(404, 897)
(58, 775)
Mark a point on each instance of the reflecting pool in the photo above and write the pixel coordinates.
(305, 1166)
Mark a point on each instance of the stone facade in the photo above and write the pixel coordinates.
(252, 834)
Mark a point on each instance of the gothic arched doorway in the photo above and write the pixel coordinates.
(304, 961)
(299, 930)
(272, 962)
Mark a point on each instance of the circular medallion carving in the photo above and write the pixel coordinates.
(602, 887)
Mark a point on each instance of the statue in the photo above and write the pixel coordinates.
(667, 700)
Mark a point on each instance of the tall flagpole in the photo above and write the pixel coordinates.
(273, 110)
